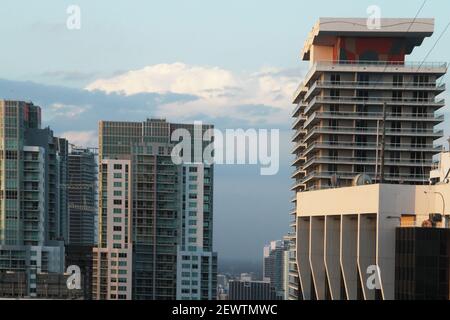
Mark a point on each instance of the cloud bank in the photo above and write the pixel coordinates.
(260, 98)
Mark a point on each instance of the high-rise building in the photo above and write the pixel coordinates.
(33, 212)
(81, 186)
(286, 267)
(251, 290)
(155, 216)
(363, 109)
(113, 258)
(273, 265)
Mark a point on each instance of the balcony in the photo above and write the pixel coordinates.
(299, 92)
(297, 109)
(374, 85)
(376, 116)
(298, 133)
(298, 172)
(367, 161)
(438, 68)
(373, 131)
(297, 160)
(351, 175)
(298, 184)
(298, 146)
(352, 100)
(298, 121)
(371, 146)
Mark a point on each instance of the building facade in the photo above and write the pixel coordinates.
(33, 212)
(363, 109)
(82, 196)
(165, 207)
(251, 290)
(422, 257)
(274, 265)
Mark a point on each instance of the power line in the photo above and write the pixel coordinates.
(434, 45)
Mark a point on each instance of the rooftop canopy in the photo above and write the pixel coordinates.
(326, 31)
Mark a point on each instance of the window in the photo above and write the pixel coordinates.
(397, 80)
(396, 111)
(397, 95)
(117, 167)
(420, 95)
(363, 78)
(421, 80)
(334, 93)
(363, 95)
(335, 78)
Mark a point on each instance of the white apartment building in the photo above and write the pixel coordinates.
(112, 265)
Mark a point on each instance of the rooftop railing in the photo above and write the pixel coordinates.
(384, 63)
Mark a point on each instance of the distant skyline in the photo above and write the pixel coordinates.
(231, 63)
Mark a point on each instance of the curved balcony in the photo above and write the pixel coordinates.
(299, 121)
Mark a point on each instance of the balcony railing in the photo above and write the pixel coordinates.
(371, 100)
(410, 66)
(352, 100)
(368, 161)
(375, 85)
(372, 131)
(382, 84)
(373, 116)
(350, 175)
(372, 146)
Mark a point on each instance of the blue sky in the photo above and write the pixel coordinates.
(248, 49)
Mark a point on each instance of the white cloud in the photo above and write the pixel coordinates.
(221, 93)
(81, 138)
(59, 110)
